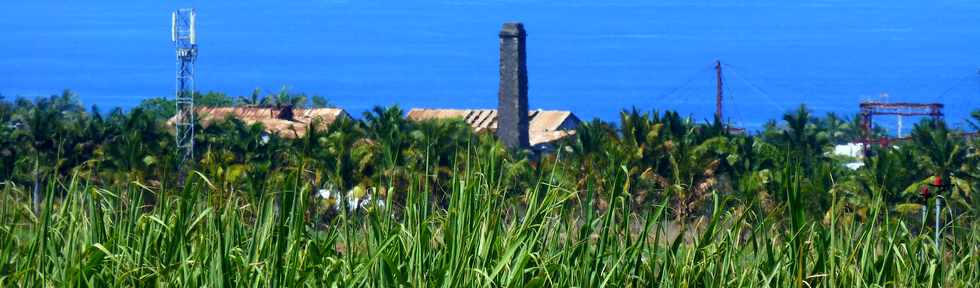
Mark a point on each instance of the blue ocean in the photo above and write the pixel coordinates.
(591, 57)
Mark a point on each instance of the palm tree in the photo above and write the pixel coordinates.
(890, 170)
(943, 155)
(643, 144)
(236, 153)
(434, 145)
(975, 122)
(696, 172)
(802, 136)
(88, 134)
(42, 128)
(320, 102)
(751, 167)
(83, 136)
(680, 157)
(212, 99)
(286, 99)
(386, 128)
(886, 174)
(8, 144)
(591, 147)
(135, 144)
(339, 155)
(837, 130)
(254, 100)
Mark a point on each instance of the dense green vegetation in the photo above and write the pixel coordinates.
(653, 200)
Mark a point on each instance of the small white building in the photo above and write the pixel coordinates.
(853, 150)
(850, 149)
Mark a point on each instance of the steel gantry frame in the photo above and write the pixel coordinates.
(869, 109)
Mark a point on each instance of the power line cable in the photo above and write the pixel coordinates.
(759, 90)
(739, 119)
(686, 83)
(941, 97)
(956, 84)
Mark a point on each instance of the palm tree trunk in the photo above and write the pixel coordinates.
(36, 195)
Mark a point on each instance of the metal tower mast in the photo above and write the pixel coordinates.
(718, 91)
(184, 36)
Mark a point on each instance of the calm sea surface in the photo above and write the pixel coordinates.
(591, 57)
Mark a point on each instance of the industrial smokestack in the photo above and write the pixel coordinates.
(512, 122)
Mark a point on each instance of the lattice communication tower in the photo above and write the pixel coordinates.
(184, 36)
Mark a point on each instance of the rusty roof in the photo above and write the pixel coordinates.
(273, 119)
(544, 126)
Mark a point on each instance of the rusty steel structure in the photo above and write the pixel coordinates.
(719, 90)
(720, 101)
(869, 109)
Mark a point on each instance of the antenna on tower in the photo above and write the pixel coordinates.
(184, 36)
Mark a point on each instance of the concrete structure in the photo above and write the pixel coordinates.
(512, 94)
(512, 122)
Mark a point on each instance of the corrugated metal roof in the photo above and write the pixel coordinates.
(549, 120)
(479, 119)
(543, 125)
(326, 115)
(272, 118)
(542, 137)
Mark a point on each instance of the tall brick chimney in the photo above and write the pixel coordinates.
(512, 123)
